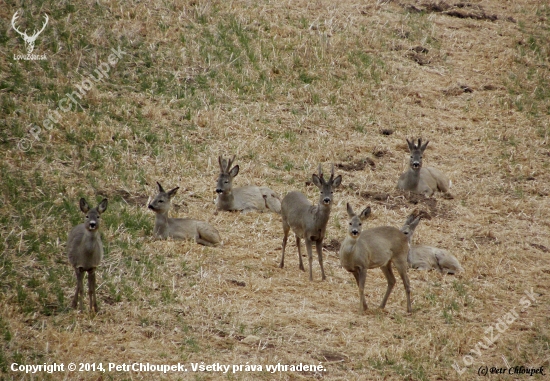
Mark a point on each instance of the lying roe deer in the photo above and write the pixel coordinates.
(245, 198)
(375, 247)
(427, 257)
(85, 251)
(422, 180)
(180, 228)
(309, 222)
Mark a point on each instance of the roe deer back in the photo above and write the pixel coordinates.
(307, 221)
(422, 180)
(180, 228)
(376, 247)
(423, 257)
(85, 251)
(245, 198)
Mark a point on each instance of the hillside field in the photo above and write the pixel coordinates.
(135, 92)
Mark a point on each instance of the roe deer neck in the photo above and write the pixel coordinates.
(91, 240)
(226, 200)
(321, 212)
(348, 245)
(414, 177)
(348, 252)
(161, 222)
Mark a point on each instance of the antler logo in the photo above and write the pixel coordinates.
(29, 40)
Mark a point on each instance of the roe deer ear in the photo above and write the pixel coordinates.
(102, 206)
(318, 181)
(410, 218)
(415, 222)
(350, 210)
(234, 171)
(337, 181)
(172, 192)
(84, 205)
(411, 223)
(160, 187)
(365, 213)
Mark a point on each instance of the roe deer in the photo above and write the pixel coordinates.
(85, 251)
(421, 180)
(427, 257)
(180, 228)
(245, 198)
(309, 222)
(375, 247)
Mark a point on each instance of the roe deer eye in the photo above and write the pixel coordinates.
(360, 224)
(161, 200)
(350, 224)
(87, 216)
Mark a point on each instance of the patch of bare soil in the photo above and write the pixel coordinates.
(380, 152)
(485, 238)
(542, 248)
(419, 58)
(237, 282)
(406, 200)
(356, 165)
(332, 357)
(457, 90)
(332, 245)
(460, 10)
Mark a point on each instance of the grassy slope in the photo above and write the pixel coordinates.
(283, 86)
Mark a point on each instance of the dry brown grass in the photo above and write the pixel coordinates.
(283, 86)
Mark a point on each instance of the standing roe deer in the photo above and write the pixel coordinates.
(245, 198)
(308, 221)
(180, 228)
(85, 251)
(427, 257)
(375, 247)
(421, 180)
